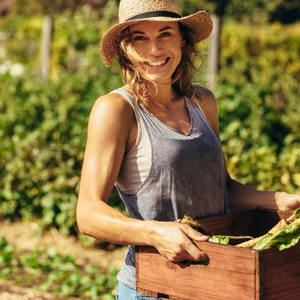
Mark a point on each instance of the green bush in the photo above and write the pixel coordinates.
(43, 126)
(44, 129)
(43, 136)
(258, 94)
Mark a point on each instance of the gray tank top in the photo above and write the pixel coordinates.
(186, 177)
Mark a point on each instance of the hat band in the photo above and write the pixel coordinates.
(154, 14)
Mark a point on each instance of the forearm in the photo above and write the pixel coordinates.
(242, 197)
(171, 239)
(103, 222)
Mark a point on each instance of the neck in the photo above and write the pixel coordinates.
(161, 93)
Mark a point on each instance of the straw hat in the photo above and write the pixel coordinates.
(134, 11)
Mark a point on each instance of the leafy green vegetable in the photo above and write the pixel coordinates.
(220, 239)
(294, 216)
(285, 238)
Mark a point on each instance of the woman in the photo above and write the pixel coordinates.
(157, 140)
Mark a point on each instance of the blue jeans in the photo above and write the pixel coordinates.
(126, 293)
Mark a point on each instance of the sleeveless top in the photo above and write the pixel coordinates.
(186, 176)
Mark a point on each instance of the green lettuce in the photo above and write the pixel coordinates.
(283, 239)
(219, 239)
(294, 216)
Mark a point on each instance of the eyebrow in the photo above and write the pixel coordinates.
(160, 30)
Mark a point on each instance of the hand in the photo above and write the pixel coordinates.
(287, 201)
(175, 241)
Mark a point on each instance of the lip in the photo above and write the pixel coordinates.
(157, 63)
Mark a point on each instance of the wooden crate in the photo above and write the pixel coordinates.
(232, 272)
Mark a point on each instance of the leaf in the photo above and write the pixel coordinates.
(285, 238)
(294, 216)
(219, 239)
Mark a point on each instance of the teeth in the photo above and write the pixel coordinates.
(156, 63)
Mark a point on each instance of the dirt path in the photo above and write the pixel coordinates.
(10, 292)
(24, 236)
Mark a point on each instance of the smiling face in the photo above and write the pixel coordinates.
(160, 46)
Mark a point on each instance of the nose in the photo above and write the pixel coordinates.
(155, 46)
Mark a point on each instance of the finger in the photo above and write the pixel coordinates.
(193, 234)
(195, 253)
(191, 257)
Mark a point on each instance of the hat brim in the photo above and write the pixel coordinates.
(199, 24)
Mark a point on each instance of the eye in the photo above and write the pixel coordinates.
(165, 34)
(137, 38)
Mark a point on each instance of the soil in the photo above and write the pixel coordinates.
(23, 236)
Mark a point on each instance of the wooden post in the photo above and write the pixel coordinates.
(213, 56)
(46, 47)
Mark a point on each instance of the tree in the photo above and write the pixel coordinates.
(51, 7)
(286, 12)
(255, 11)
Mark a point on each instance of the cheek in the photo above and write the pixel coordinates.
(176, 46)
(179, 52)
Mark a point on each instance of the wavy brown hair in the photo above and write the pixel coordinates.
(191, 62)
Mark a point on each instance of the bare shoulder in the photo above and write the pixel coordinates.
(112, 104)
(112, 110)
(207, 96)
(208, 104)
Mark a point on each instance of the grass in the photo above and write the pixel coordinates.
(59, 275)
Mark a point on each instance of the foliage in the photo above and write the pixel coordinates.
(45, 124)
(23, 43)
(253, 12)
(258, 92)
(59, 275)
(52, 7)
(43, 128)
(41, 157)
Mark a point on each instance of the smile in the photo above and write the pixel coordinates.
(156, 63)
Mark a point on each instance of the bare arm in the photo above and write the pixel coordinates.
(244, 197)
(110, 131)
(241, 196)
